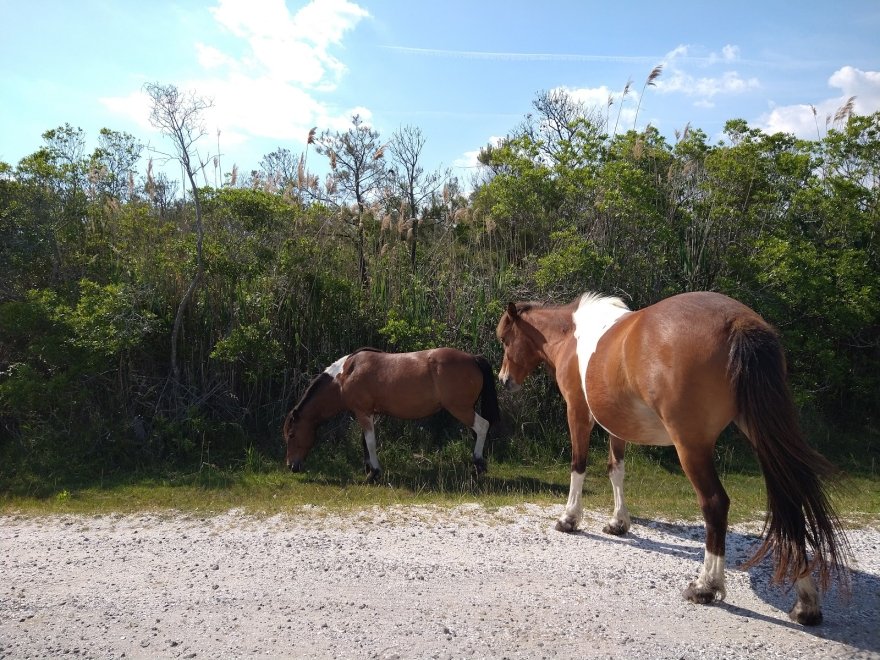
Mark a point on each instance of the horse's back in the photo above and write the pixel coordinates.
(409, 385)
(661, 371)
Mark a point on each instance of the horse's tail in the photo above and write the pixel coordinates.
(798, 509)
(488, 395)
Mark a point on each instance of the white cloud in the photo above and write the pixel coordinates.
(272, 90)
(730, 53)
(800, 119)
(470, 159)
(675, 79)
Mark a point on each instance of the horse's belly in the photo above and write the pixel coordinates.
(633, 422)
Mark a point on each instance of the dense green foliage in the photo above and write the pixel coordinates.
(95, 258)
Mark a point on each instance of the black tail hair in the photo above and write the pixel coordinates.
(799, 512)
(488, 395)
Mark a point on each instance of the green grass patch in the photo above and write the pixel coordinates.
(655, 487)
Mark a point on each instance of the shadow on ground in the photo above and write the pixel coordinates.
(852, 619)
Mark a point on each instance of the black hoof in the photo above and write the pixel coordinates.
(618, 529)
(805, 617)
(373, 476)
(700, 596)
(480, 466)
(565, 526)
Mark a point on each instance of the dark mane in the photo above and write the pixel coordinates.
(365, 349)
(317, 383)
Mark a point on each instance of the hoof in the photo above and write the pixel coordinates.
(700, 595)
(616, 529)
(480, 466)
(373, 476)
(566, 526)
(805, 616)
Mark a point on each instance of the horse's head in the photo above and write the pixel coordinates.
(316, 405)
(298, 439)
(521, 356)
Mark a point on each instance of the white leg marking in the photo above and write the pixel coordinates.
(807, 597)
(712, 575)
(574, 509)
(620, 519)
(370, 438)
(481, 428)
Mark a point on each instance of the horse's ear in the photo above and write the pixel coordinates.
(511, 310)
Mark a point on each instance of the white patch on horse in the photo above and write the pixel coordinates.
(481, 428)
(712, 575)
(594, 315)
(336, 368)
(574, 509)
(370, 439)
(620, 517)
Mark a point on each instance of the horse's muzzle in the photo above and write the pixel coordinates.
(295, 466)
(509, 384)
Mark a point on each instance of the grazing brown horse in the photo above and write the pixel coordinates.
(405, 385)
(678, 373)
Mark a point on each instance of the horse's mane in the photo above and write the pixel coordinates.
(365, 349)
(317, 383)
(592, 297)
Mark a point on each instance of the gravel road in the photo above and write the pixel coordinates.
(401, 582)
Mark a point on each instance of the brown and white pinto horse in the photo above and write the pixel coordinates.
(404, 385)
(678, 373)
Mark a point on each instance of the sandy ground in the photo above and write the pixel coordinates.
(404, 582)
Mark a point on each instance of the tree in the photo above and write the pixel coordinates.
(357, 174)
(112, 165)
(179, 116)
(415, 185)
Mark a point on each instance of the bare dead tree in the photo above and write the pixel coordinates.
(415, 184)
(178, 115)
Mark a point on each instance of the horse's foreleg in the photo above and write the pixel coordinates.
(481, 428)
(714, 502)
(620, 520)
(580, 424)
(374, 469)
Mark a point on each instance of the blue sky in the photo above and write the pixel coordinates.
(464, 71)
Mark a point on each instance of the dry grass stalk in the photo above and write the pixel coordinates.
(151, 182)
(649, 82)
(845, 111)
(311, 138)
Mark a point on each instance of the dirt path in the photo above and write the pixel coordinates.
(408, 582)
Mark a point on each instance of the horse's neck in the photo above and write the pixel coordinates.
(325, 404)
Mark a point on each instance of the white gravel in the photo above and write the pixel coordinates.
(401, 582)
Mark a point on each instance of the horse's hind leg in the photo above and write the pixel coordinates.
(806, 610)
(374, 469)
(699, 467)
(480, 427)
(620, 520)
